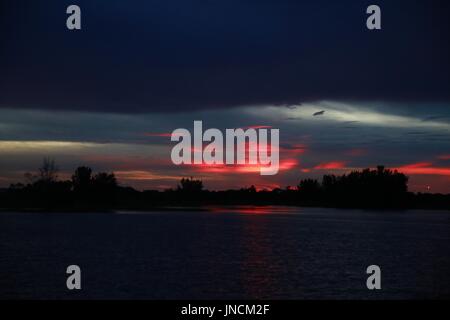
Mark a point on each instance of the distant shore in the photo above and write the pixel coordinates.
(380, 188)
(207, 208)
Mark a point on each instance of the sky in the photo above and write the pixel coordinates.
(109, 95)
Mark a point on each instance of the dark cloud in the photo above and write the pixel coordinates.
(433, 118)
(319, 113)
(153, 56)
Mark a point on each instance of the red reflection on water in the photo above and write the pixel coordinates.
(253, 210)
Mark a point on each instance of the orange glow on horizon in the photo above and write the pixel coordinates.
(164, 134)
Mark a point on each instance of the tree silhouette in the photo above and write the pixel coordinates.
(105, 180)
(379, 187)
(190, 185)
(104, 187)
(81, 179)
(309, 186)
(48, 171)
(309, 190)
(99, 189)
(86, 191)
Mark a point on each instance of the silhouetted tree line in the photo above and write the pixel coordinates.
(380, 188)
(368, 188)
(85, 190)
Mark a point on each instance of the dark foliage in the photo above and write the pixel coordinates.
(380, 188)
(44, 191)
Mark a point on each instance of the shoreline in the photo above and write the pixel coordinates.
(209, 208)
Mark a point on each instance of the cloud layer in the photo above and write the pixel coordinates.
(160, 56)
(137, 147)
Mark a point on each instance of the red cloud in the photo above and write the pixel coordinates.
(286, 164)
(258, 127)
(357, 152)
(417, 165)
(331, 165)
(425, 168)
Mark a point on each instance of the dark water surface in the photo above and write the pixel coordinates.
(264, 253)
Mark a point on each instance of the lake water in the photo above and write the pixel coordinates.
(234, 253)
